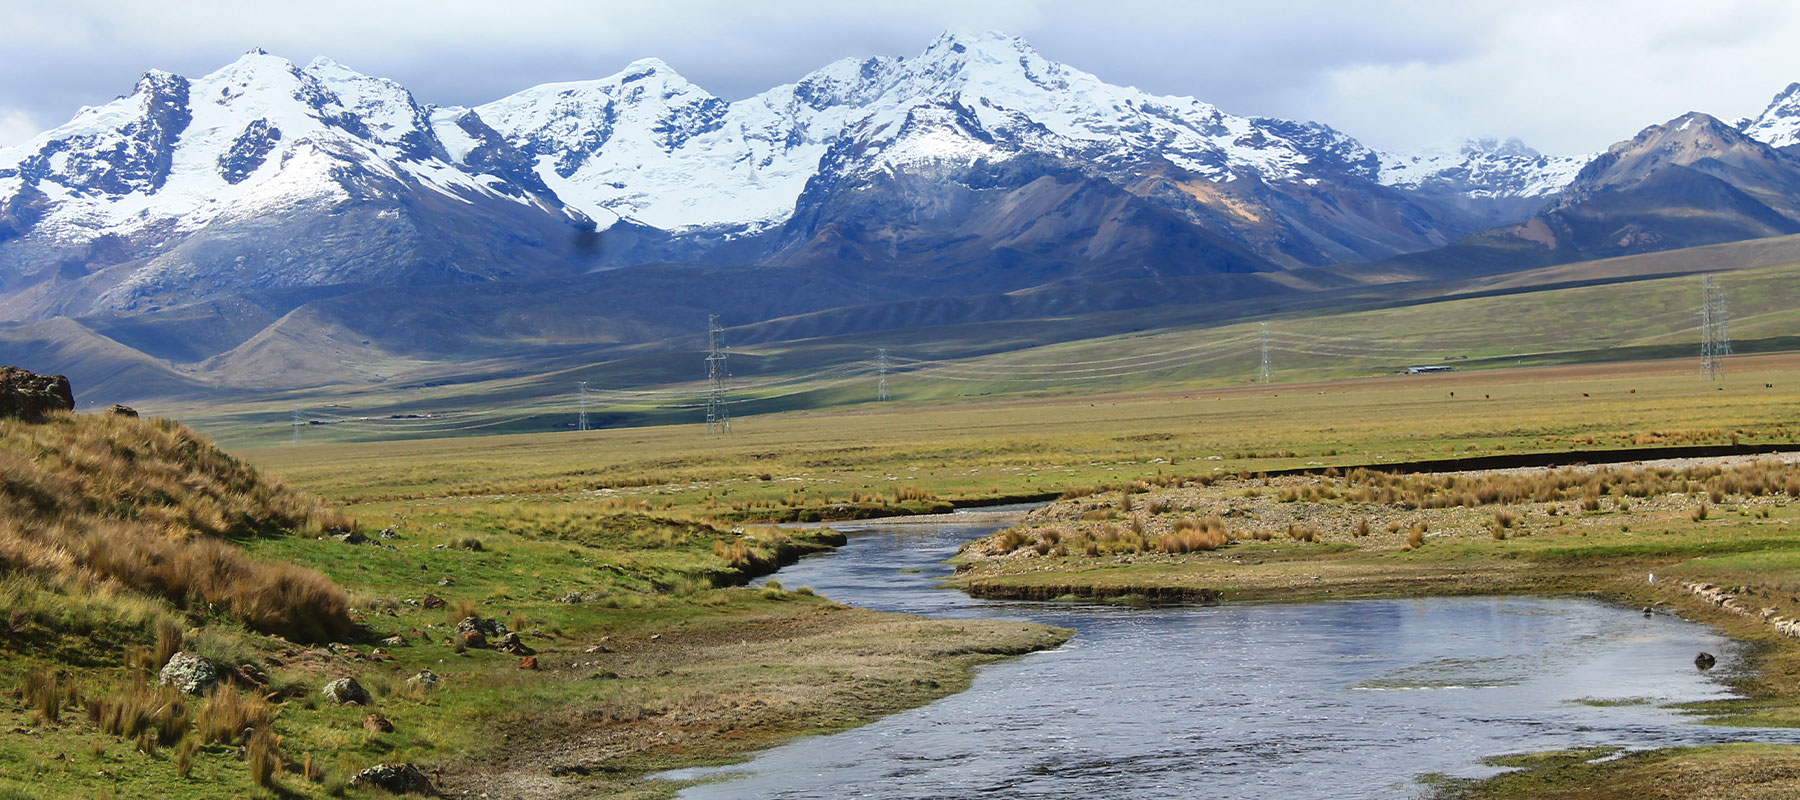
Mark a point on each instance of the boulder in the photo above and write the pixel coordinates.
(472, 639)
(510, 643)
(432, 601)
(1705, 660)
(396, 778)
(426, 679)
(344, 691)
(122, 411)
(191, 673)
(32, 397)
(376, 723)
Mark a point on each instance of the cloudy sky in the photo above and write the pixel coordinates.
(1566, 76)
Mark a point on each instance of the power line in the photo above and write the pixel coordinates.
(881, 368)
(718, 417)
(1265, 352)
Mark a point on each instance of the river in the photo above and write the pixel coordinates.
(1350, 699)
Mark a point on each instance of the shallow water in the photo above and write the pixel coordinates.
(1351, 699)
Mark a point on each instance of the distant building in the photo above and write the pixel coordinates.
(1432, 368)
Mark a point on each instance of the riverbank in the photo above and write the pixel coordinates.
(1647, 535)
(713, 689)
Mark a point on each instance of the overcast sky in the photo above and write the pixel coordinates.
(1567, 76)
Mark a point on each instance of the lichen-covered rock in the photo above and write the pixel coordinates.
(426, 678)
(122, 411)
(344, 691)
(396, 778)
(432, 601)
(32, 397)
(191, 673)
(491, 628)
(376, 723)
(511, 643)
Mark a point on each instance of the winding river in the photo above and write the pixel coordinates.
(1351, 699)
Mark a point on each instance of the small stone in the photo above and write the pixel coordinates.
(1705, 660)
(445, 581)
(528, 662)
(345, 691)
(377, 723)
(394, 641)
(570, 598)
(432, 601)
(190, 673)
(122, 411)
(426, 678)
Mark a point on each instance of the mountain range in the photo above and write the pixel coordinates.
(269, 223)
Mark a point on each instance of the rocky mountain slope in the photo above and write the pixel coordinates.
(1691, 181)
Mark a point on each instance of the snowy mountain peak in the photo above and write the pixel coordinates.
(1779, 124)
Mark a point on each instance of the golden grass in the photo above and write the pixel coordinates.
(96, 504)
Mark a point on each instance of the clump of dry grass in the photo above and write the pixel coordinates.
(101, 502)
(1415, 538)
(1192, 535)
(148, 713)
(262, 754)
(230, 717)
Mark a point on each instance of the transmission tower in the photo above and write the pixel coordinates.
(581, 421)
(718, 418)
(881, 368)
(1715, 336)
(1265, 352)
(296, 426)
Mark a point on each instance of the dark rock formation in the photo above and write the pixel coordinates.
(32, 397)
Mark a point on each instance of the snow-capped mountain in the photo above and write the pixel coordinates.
(184, 180)
(1483, 168)
(649, 145)
(1779, 124)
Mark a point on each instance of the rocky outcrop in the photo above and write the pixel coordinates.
(32, 397)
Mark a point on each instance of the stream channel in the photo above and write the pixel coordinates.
(1351, 699)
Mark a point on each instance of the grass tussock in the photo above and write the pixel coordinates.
(1192, 535)
(102, 504)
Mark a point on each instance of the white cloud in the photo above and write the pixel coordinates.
(16, 126)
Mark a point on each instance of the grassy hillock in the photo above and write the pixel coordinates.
(127, 510)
